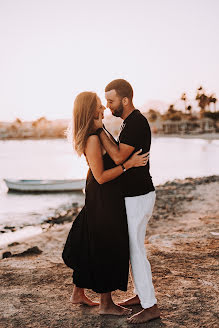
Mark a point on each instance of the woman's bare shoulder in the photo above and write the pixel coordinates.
(93, 139)
(93, 143)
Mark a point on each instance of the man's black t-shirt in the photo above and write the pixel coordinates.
(136, 132)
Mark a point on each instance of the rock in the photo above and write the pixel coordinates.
(59, 219)
(13, 244)
(30, 251)
(5, 255)
(64, 216)
(9, 228)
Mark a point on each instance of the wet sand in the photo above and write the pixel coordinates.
(182, 246)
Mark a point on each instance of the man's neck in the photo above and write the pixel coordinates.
(127, 112)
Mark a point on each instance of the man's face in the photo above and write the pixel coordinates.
(114, 103)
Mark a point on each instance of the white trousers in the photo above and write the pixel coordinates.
(139, 210)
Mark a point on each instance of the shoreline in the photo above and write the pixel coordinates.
(204, 136)
(31, 138)
(21, 232)
(182, 245)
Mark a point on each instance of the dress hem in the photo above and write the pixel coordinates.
(98, 291)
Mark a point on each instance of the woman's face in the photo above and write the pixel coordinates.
(99, 110)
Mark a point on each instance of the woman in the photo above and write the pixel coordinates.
(97, 247)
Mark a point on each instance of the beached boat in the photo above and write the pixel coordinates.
(45, 185)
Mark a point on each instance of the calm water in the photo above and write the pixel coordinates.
(54, 159)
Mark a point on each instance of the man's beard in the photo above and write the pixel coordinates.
(118, 112)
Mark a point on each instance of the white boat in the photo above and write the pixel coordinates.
(45, 185)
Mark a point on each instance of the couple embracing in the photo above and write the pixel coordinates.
(119, 199)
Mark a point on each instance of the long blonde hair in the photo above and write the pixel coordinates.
(85, 105)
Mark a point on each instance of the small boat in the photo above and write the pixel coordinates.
(45, 185)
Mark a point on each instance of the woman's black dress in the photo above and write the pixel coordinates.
(97, 247)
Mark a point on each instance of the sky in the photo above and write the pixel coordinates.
(53, 49)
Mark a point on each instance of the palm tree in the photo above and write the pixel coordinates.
(189, 109)
(18, 121)
(152, 115)
(172, 114)
(171, 109)
(213, 99)
(203, 100)
(184, 98)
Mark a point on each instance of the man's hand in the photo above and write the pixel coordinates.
(98, 123)
(139, 160)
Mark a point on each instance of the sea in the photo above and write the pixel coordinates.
(170, 158)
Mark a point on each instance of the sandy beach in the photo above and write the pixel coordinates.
(182, 246)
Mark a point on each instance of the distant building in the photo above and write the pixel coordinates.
(4, 130)
(205, 125)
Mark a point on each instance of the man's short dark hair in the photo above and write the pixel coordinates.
(122, 88)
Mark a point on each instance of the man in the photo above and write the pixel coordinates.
(137, 188)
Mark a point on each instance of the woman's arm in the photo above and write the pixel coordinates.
(95, 160)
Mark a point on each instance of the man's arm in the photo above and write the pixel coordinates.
(118, 153)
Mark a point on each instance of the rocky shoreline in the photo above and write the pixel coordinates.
(182, 243)
(167, 202)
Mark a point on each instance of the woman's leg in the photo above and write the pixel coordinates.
(107, 306)
(79, 297)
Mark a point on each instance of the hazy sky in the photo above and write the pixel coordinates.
(53, 49)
